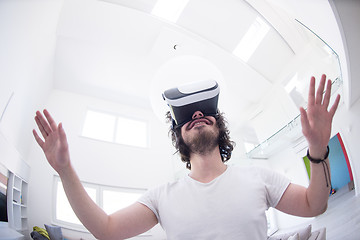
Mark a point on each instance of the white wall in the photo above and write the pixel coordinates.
(346, 122)
(347, 13)
(96, 161)
(27, 48)
(27, 42)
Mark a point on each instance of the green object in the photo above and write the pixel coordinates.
(42, 231)
(307, 165)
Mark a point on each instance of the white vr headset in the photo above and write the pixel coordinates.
(185, 100)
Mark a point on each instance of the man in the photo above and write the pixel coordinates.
(214, 201)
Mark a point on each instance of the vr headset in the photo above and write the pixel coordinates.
(185, 100)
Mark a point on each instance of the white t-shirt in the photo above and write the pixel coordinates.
(232, 206)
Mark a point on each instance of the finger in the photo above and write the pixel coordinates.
(320, 90)
(43, 123)
(51, 121)
(38, 139)
(40, 126)
(304, 121)
(311, 97)
(335, 106)
(62, 136)
(327, 94)
(62, 133)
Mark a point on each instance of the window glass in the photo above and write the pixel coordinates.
(64, 211)
(111, 199)
(115, 200)
(112, 128)
(99, 126)
(131, 132)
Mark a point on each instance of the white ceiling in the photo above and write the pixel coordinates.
(119, 51)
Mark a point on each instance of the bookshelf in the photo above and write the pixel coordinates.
(17, 203)
(17, 191)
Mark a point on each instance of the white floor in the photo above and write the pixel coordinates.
(342, 218)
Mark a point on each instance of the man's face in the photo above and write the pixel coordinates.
(201, 133)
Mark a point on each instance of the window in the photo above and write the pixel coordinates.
(99, 126)
(131, 132)
(64, 212)
(116, 129)
(108, 198)
(112, 199)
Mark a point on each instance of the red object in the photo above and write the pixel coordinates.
(345, 155)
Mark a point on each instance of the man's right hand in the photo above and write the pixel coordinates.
(54, 145)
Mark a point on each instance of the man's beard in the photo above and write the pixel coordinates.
(204, 142)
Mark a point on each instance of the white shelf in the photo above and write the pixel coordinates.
(17, 203)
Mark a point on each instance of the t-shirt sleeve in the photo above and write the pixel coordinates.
(275, 185)
(149, 199)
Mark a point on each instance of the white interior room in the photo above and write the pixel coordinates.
(114, 58)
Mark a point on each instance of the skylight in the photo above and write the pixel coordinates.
(170, 10)
(252, 39)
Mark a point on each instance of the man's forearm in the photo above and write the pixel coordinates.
(319, 187)
(88, 212)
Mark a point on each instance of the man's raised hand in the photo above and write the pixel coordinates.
(317, 119)
(55, 144)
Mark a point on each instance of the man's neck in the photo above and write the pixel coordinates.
(205, 168)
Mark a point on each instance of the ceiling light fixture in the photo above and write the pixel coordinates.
(170, 10)
(252, 39)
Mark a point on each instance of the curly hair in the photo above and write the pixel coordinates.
(226, 146)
